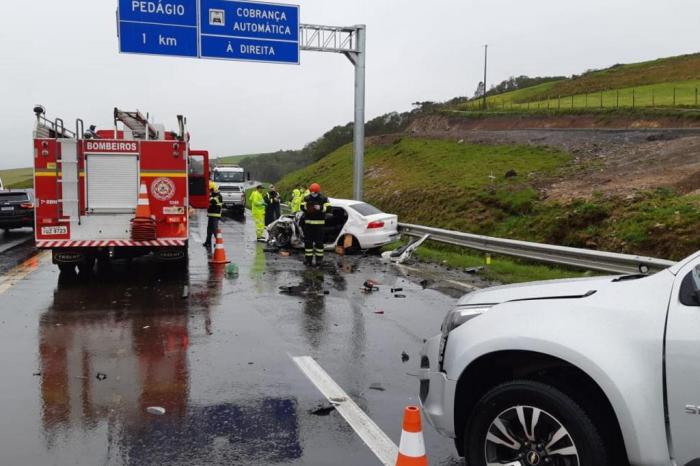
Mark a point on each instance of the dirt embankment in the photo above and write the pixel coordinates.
(618, 159)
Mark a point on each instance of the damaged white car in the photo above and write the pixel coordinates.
(353, 224)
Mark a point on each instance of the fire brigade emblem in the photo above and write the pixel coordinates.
(163, 189)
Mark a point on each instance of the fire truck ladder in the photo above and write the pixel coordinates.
(137, 123)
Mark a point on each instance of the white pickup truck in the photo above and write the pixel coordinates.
(594, 372)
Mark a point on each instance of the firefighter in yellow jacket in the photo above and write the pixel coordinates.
(296, 201)
(257, 207)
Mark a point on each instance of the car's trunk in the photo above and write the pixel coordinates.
(390, 222)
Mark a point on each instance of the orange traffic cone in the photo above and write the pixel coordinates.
(143, 208)
(219, 251)
(412, 446)
(143, 226)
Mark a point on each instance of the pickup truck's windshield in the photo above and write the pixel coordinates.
(229, 177)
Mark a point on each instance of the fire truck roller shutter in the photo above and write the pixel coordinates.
(112, 183)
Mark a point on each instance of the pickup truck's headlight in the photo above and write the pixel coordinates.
(455, 318)
(460, 315)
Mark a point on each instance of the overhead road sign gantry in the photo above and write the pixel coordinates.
(243, 30)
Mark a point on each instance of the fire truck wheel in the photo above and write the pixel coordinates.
(66, 268)
(88, 266)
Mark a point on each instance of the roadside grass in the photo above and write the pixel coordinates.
(18, 178)
(502, 269)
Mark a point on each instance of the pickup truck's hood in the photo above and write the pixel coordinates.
(538, 290)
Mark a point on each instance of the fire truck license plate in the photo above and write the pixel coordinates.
(52, 231)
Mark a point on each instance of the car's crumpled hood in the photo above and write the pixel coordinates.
(538, 290)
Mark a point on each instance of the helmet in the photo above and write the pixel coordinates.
(213, 186)
(315, 187)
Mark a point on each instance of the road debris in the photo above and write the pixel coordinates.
(101, 376)
(231, 270)
(36, 374)
(399, 296)
(379, 312)
(473, 270)
(322, 410)
(377, 386)
(185, 291)
(404, 356)
(425, 283)
(395, 290)
(370, 286)
(157, 410)
(284, 253)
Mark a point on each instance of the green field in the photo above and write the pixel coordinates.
(462, 187)
(646, 84)
(18, 178)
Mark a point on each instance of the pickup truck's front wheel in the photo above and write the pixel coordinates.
(526, 423)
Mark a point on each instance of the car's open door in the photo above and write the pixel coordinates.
(198, 178)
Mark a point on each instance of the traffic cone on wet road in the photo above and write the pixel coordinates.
(143, 226)
(219, 256)
(412, 446)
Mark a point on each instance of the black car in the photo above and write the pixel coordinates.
(16, 209)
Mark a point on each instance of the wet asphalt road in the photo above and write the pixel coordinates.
(84, 356)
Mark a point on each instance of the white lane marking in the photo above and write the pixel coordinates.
(17, 242)
(19, 272)
(377, 441)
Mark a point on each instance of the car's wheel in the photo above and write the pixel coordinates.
(526, 423)
(354, 248)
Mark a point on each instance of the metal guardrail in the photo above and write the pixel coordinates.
(584, 258)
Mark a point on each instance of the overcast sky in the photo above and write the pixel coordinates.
(63, 54)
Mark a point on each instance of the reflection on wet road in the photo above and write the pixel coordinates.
(84, 357)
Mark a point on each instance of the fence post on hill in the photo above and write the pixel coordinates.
(586, 102)
(633, 98)
(653, 98)
(674, 96)
(696, 96)
(601, 99)
(572, 102)
(617, 98)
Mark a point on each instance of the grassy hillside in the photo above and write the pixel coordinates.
(463, 187)
(17, 178)
(653, 82)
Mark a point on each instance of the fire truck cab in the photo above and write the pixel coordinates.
(120, 192)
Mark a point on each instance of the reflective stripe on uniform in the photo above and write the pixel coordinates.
(308, 252)
(315, 222)
(214, 215)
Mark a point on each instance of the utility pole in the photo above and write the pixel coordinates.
(486, 54)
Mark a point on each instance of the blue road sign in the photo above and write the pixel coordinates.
(254, 31)
(166, 27)
(224, 29)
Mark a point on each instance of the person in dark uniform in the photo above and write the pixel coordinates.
(216, 205)
(272, 205)
(315, 207)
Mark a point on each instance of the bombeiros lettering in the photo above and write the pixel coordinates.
(161, 8)
(111, 146)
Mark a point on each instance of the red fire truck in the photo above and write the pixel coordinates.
(120, 192)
